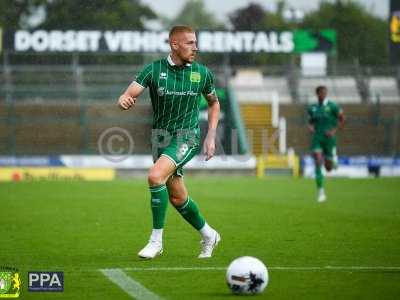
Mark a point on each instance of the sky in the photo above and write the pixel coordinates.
(221, 8)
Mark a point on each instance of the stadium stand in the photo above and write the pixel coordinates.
(384, 89)
(342, 89)
(65, 107)
(256, 89)
(257, 119)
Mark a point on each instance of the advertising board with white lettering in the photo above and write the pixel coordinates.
(125, 41)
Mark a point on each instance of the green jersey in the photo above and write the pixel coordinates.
(324, 116)
(175, 93)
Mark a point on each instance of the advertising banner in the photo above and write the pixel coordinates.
(125, 41)
(394, 31)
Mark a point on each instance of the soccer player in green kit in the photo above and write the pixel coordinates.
(324, 119)
(176, 84)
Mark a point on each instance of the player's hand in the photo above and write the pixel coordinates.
(311, 128)
(330, 133)
(209, 145)
(126, 102)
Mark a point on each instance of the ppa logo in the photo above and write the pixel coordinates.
(46, 281)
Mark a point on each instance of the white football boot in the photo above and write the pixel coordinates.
(321, 195)
(208, 245)
(152, 249)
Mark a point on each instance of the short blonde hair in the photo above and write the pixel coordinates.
(180, 29)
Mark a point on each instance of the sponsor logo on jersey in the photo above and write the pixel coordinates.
(180, 93)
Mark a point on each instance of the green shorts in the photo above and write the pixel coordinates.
(180, 148)
(324, 144)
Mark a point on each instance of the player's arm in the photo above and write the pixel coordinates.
(310, 124)
(128, 98)
(311, 127)
(213, 117)
(143, 80)
(340, 117)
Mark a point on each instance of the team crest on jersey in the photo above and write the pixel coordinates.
(161, 91)
(195, 77)
(163, 75)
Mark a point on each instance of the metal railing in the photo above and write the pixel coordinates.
(85, 82)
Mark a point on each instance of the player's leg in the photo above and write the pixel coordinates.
(318, 162)
(185, 205)
(330, 154)
(328, 164)
(189, 210)
(158, 175)
(330, 160)
(319, 176)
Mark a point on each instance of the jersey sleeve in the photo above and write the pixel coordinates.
(209, 84)
(336, 109)
(145, 76)
(310, 114)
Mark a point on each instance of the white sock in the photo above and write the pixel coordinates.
(321, 191)
(156, 235)
(206, 231)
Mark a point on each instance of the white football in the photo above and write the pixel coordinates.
(247, 275)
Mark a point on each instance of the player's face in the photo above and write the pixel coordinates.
(322, 94)
(184, 45)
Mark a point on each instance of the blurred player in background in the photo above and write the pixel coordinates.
(176, 84)
(325, 117)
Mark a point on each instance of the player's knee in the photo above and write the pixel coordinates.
(155, 177)
(177, 200)
(317, 158)
(318, 161)
(328, 166)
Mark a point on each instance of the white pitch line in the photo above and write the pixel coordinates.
(338, 268)
(128, 285)
(176, 269)
(138, 291)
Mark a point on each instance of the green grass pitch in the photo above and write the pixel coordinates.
(81, 227)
